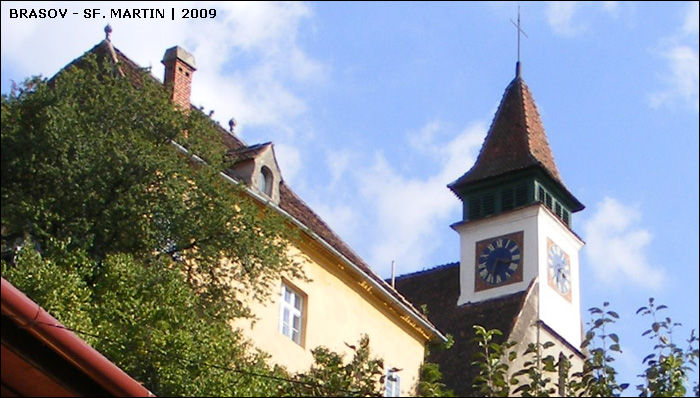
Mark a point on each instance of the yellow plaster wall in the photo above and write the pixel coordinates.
(338, 310)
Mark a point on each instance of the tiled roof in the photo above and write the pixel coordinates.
(229, 140)
(289, 201)
(126, 67)
(246, 153)
(515, 141)
(295, 206)
(438, 289)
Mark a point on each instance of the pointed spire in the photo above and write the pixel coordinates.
(515, 156)
(516, 139)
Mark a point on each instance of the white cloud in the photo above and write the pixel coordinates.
(460, 153)
(692, 19)
(338, 164)
(679, 49)
(560, 16)
(342, 218)
(681, 78)
(425, 139)
(391, 215)
(248, 57)
(289, 159)
(615, 246)
(681, 54)
(611, 7)
(567, 18)
(406, 213)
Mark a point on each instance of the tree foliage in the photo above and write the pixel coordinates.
(668, 366)
(145, 318)
(89, 160)
(430, 383)
(598, 377)
(493, 360)
(116, 219)
(538, 371)
(330, 376)
(122, 236)
(666, 374)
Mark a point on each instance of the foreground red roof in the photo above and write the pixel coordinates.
(41, 357)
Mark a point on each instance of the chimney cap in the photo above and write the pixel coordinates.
(180, 53)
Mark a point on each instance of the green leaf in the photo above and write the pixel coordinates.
(613, 314)
(91, 176)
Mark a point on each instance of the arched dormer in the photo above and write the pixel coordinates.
(256, 166)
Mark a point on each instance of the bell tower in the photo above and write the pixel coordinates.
(516, 230)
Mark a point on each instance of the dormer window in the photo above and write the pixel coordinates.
(257, 168)
(266, 180)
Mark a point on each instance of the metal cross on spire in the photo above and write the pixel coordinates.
(520, 30)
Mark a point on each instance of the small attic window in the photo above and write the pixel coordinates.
(266, 181)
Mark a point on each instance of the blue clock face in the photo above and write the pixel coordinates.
(498, 261)
(559, 269)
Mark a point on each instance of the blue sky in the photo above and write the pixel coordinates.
(375, 107)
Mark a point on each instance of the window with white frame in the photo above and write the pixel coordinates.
(392, 384)
(291, 313)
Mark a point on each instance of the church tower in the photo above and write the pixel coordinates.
(516, 230)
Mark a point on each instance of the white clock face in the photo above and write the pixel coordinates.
(559, 269)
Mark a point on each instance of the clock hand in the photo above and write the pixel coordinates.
(499, 261)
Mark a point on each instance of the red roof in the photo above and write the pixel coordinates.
(41, 357)
(438, 290)
(515, 141)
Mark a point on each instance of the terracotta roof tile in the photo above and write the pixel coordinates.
(229, 140)
(246, 152)
(295, 206)
(516, 139)
(438, 289)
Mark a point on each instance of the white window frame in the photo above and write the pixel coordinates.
(392, 384)
(291, 310)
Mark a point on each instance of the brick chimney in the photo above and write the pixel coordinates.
(179, 68)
